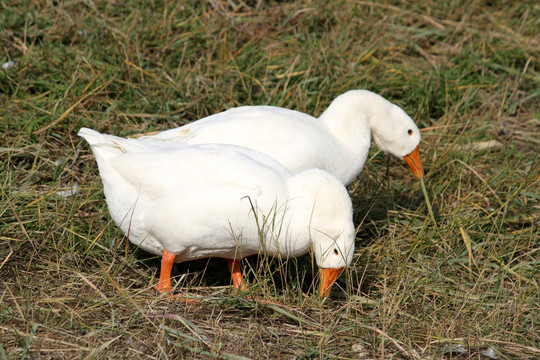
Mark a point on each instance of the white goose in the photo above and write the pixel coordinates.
(187, 202)
(338, 141)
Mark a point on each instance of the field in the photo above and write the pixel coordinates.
(466, 287)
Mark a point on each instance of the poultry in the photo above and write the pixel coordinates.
(186, 202)
(338, 141)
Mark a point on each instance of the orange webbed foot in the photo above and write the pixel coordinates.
(236, 275)
(167, 262)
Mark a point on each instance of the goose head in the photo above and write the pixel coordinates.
(332, 253)
(396, 133)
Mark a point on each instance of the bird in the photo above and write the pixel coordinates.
(185, 202)
(338, 141)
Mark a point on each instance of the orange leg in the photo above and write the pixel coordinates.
(165, 274)
(236, 275)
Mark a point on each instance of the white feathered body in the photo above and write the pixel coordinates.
(200, 201)
(337, 142)
(296, 140)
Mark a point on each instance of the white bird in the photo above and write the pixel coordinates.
(186, 202)
(338, 141)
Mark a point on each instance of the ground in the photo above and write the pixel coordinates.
(466, 72)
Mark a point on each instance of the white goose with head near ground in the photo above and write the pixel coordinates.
(337, 142)
(185, 202)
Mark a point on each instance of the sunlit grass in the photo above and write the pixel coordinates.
(466, 72)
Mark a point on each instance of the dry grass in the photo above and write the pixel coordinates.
(467, 72)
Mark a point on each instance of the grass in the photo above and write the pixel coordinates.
(467, 72)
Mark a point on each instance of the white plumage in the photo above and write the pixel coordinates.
(338, 141)
(195, 201)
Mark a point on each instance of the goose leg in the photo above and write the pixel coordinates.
(167, 262)
(236, 275)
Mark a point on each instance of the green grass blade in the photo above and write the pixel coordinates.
(428, 202)
(29, 341)
(3, 352)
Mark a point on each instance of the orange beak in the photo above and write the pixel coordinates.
(414, 162)
(327, 278)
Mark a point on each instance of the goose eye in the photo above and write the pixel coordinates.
(336, 251)
(409, 132)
